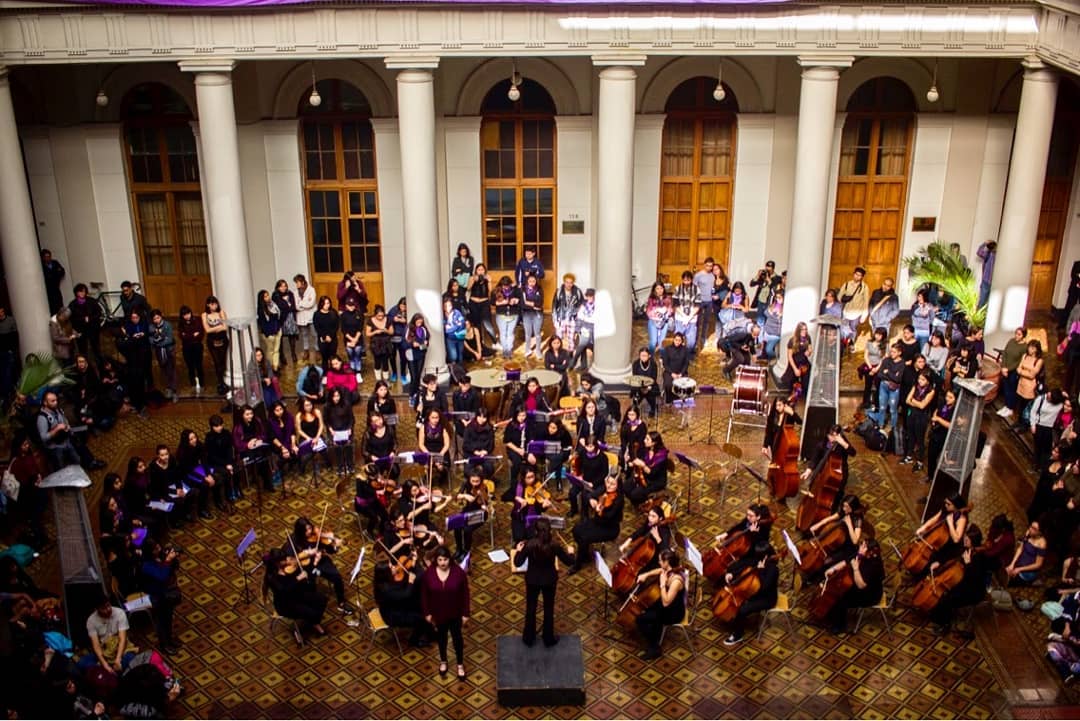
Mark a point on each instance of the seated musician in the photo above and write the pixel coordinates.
(669, 609)
(757, 524)
(383, 403)
(659, 530)
(379, 446)
(835, 444)
(315, 547)
(433, 439)
(676, 358)
(398, 597)
(530, 499)
(631, 435)
(851, 515)
(781, 414)
(221, 456)
(955, 515)
(369, 482)
(310, 430)
(591, 422)
(742, 345)
(972, 587)
(479, 443)
(868, 572)
(474, 496)
(602, 526)
(516, 439)
(417, 503)
(431, 397)
(281, 434)
(556, 435)
(645, 366)
(768, 572)
(590, 464)
(649, 471)
(532, 397)
(592, 387)
(295, 594)
(249, 440)
(466, 399)
(167, 486)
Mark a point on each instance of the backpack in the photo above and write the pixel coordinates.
(870, 433)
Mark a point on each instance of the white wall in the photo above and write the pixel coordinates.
(574, 177)
(1070, 244)
(464, 209)
(254, 191)
(967, 146)
(391, 218)
(284, 191)
(48, 216)
(648, 134)
(993, 178)
(781, 189)
(112, 204)
(926, 188)
(750, 205)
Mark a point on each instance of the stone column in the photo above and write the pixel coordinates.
(813, 178)
(18, 238)
(1023, 200)
(423, 272)
(615, 173)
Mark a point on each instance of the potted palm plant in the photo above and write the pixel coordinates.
(940, 265)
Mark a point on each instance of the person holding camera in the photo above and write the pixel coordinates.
(158, 575)
(765, 281)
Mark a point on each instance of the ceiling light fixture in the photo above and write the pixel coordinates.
(102, 99)
(932, 94)
(718, 92)
(515, 80)
(314, 100)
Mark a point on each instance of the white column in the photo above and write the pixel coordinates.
(1023, 199)
(391, 199)
(615, 171)
(221, 186)
(18, 240)
(423, 273)
(813, 154)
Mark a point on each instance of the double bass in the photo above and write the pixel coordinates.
(783, 475)
(825, 485)
(929, 591)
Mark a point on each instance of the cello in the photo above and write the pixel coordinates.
(917, 555)
(726, 601)
(641, 597)
(929, 591)
(625, 572)
(825, 485)
(715, 561)
(815, 550)
(783, 472)
(833, 589)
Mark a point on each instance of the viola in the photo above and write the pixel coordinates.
(833, 589)
(716, 560)
(726, 601)
(825, 484)
(815, 550)
(320, 536)
(783, 472)
(929, 591)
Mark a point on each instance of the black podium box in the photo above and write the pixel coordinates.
(540, 676)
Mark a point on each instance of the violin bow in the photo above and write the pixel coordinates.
(322, 521)
(393, 558)
(299, 563)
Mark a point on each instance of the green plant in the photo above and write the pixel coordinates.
(41, 370)
(939, 264)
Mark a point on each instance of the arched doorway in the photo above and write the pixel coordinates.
(875, 157)
(697, 173)
(341, 193)
(518, 158)
(163, 178)
(1057, 190)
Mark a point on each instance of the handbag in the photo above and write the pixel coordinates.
(289, 327)
(1001, 599)
(10, 485)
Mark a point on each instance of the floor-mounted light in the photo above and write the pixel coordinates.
(515, 80)
(932, 94)
(718, 92)
(314, 100)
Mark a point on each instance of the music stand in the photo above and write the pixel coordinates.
(685, 406)
(241, 550)
(691, 466)
(758, 476)
(711, 392)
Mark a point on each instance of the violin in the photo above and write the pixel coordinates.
(916, 556)
(319, 536)
(716, 560)
(726, 601)
(825, 484)
(833, 589)
(783, 472)
(929, 591)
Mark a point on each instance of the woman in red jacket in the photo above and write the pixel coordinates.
(444, 599)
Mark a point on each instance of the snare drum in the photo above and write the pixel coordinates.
(684, 387)
(749, 394)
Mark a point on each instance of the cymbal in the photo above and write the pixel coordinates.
(732, 450)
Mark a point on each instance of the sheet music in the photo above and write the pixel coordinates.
(693, 557)
(138, 603)
(161, 506)
(359, 563)
(391, 420)
(791, 547)
(602, 569)
(342, 436)
(498, 556)
(245, 542)
(464, 565)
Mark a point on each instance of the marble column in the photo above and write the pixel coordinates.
(615, 176)
(18, 238)
(423, 272)
(813, 178)
(1023, 201)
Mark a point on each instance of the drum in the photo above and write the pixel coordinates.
(493, 390)
(513, 371)
(684, 387)
(639, 382)
(749, 394)
(550, 382)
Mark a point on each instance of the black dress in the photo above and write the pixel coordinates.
(295, 599)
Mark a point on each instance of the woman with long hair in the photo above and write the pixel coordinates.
(285, 300)
(669, 608)
(658, 313)
(379, 331)
(326, 323)
(541, 577)
(445, 601)
(270, 324)
(417, 339)
(217, 338)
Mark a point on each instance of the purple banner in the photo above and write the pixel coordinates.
(271, 3)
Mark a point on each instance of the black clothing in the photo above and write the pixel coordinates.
(826, 448)
(774, 424)
(298, 600)
(970, 590)
(637, 368)
(600, 528)
(540, 577)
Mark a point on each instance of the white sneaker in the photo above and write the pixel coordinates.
(1005, 412)
(359, 378)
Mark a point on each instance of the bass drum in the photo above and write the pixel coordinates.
(749, 392)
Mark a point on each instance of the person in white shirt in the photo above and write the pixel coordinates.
(305, 314)
(855, 295)
(687, 304)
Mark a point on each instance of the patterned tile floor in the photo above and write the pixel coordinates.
(237, 668)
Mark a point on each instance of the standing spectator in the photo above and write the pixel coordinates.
(417, 339)
(305, 312)
(507, 302)
(351, 286)
(873, 353)
(164, 347)
(764, 281)
(657, 315)
(1028, 371)
(159, 581)
(191, 345)
(454, 331)
(398, 316)
(586, 322)
(987, 253)
(136, 332)
(564, 310)
(532, 315)
(1011, 356)
(217, 338)
(937, 355)
(529, 265)
(884, 306)
(703, 281)
(478, 292)
(922, 316)
(269, 322)
(286, 303)
(63, 336)
(9, 354)
(352, 330)
(686, 302)
(131, 299)
(54, 273)
(461, 269)
(445, 603)
(855, 296)
(770, 329)
(86, 319)
(379, 331)
(1044, 414)
(326, 322)
(889, 373)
